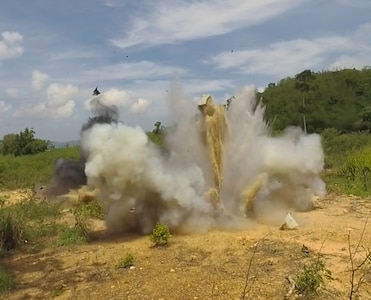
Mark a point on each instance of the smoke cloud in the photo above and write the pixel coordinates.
(141, 185)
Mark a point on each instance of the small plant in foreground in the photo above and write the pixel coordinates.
(127, 261)
(360, 263)
(160, 235)
(11, 231)
(71, 236)
(312, 278)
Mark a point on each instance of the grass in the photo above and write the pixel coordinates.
(93, 209)
(29, 170)
(71, 236)
(27, 223)
(347, 161)
(6, 281)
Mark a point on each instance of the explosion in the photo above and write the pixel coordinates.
(220, 169)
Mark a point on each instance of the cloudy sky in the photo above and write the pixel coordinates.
(54, 53)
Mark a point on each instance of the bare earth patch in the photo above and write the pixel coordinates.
(200, 266)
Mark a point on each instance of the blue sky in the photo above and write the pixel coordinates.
(54, 53)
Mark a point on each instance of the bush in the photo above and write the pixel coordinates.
(160, 235)
(312, 278)
(127, 261)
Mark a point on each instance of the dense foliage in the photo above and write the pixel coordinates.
(23, 143)
(336, 99)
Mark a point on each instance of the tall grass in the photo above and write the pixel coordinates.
(348, 161)
(29, 170)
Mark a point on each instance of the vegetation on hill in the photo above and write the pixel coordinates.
(339, 99)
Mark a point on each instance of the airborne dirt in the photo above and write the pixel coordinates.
(213, 265)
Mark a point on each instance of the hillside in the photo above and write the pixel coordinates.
(339, 99)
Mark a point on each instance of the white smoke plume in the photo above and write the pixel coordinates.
(142, 185)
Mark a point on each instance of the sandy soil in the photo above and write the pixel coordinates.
(201, 266)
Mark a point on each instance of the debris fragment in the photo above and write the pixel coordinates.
(290, 223)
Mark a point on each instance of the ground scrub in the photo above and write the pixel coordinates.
(312, 278)
(160, 235)
(357, 170)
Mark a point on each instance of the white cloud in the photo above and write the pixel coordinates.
(288, 57)
(166, 22)
(10, 45)
(112, 3)
(122, 99)
(73, 55)
(39, 80)
(355, 3)
(4, 107)
(132, 71)
(59, 103)
(12, 92)
(58, 94)
(113, 96)
(140, 105)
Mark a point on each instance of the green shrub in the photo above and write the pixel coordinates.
(312, 278)
(160, 235)
(127, 261)
(71, 236)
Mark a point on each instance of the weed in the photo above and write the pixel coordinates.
(127, 261)
(11, 231)
(93, 209)
(312, 278)
(160, 235)
(246, 289)
(71, 236)
(359, 270)
(27, 221)
(58, 291)
(6, 281)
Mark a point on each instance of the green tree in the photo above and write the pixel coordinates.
(24, 143)
(9, 144)
(328, 99)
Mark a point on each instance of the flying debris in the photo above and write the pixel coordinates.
(96, 92)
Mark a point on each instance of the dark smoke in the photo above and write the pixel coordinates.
(68, 174)
(103, 114)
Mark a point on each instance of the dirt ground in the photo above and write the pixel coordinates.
(213, 265)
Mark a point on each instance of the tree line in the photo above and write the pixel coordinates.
(23, 143)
